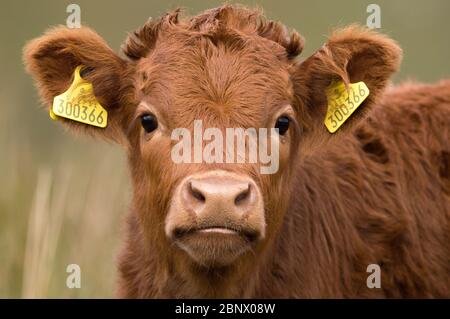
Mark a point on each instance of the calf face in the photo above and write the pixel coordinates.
(216, 212)
(229, 68)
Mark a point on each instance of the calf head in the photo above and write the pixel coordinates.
(229, 68)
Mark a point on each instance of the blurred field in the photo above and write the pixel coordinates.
(62, 199)
(57, 210)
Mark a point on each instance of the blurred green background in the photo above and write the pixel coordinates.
(63, 199)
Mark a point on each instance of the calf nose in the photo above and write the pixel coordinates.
(219, 194)
(216, 216)
(216, 205)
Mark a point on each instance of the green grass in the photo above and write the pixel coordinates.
(57, 210)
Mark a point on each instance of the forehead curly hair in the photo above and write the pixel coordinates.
(221, 24)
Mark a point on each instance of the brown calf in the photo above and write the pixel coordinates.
(376, 192)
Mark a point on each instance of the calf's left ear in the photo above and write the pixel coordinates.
(350, 55)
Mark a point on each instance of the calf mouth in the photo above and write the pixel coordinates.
(215, 245)
(217, 230)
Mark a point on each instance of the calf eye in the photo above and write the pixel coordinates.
(282, 124)
(149, 122)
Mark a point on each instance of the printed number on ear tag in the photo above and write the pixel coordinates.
(79, 104)
(342, 103)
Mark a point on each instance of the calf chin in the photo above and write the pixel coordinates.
(214, 250)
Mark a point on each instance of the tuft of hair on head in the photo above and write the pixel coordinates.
(234, 19)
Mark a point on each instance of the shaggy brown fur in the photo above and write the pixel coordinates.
(378, 191)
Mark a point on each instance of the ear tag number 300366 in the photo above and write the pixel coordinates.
(342, 103)
(79, 104)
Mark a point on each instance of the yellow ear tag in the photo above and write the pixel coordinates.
(342, 103)
(79, 104)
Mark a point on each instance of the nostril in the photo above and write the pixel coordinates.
(242, 196)
(196, 193)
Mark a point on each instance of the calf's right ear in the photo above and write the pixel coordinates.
(51, 60)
